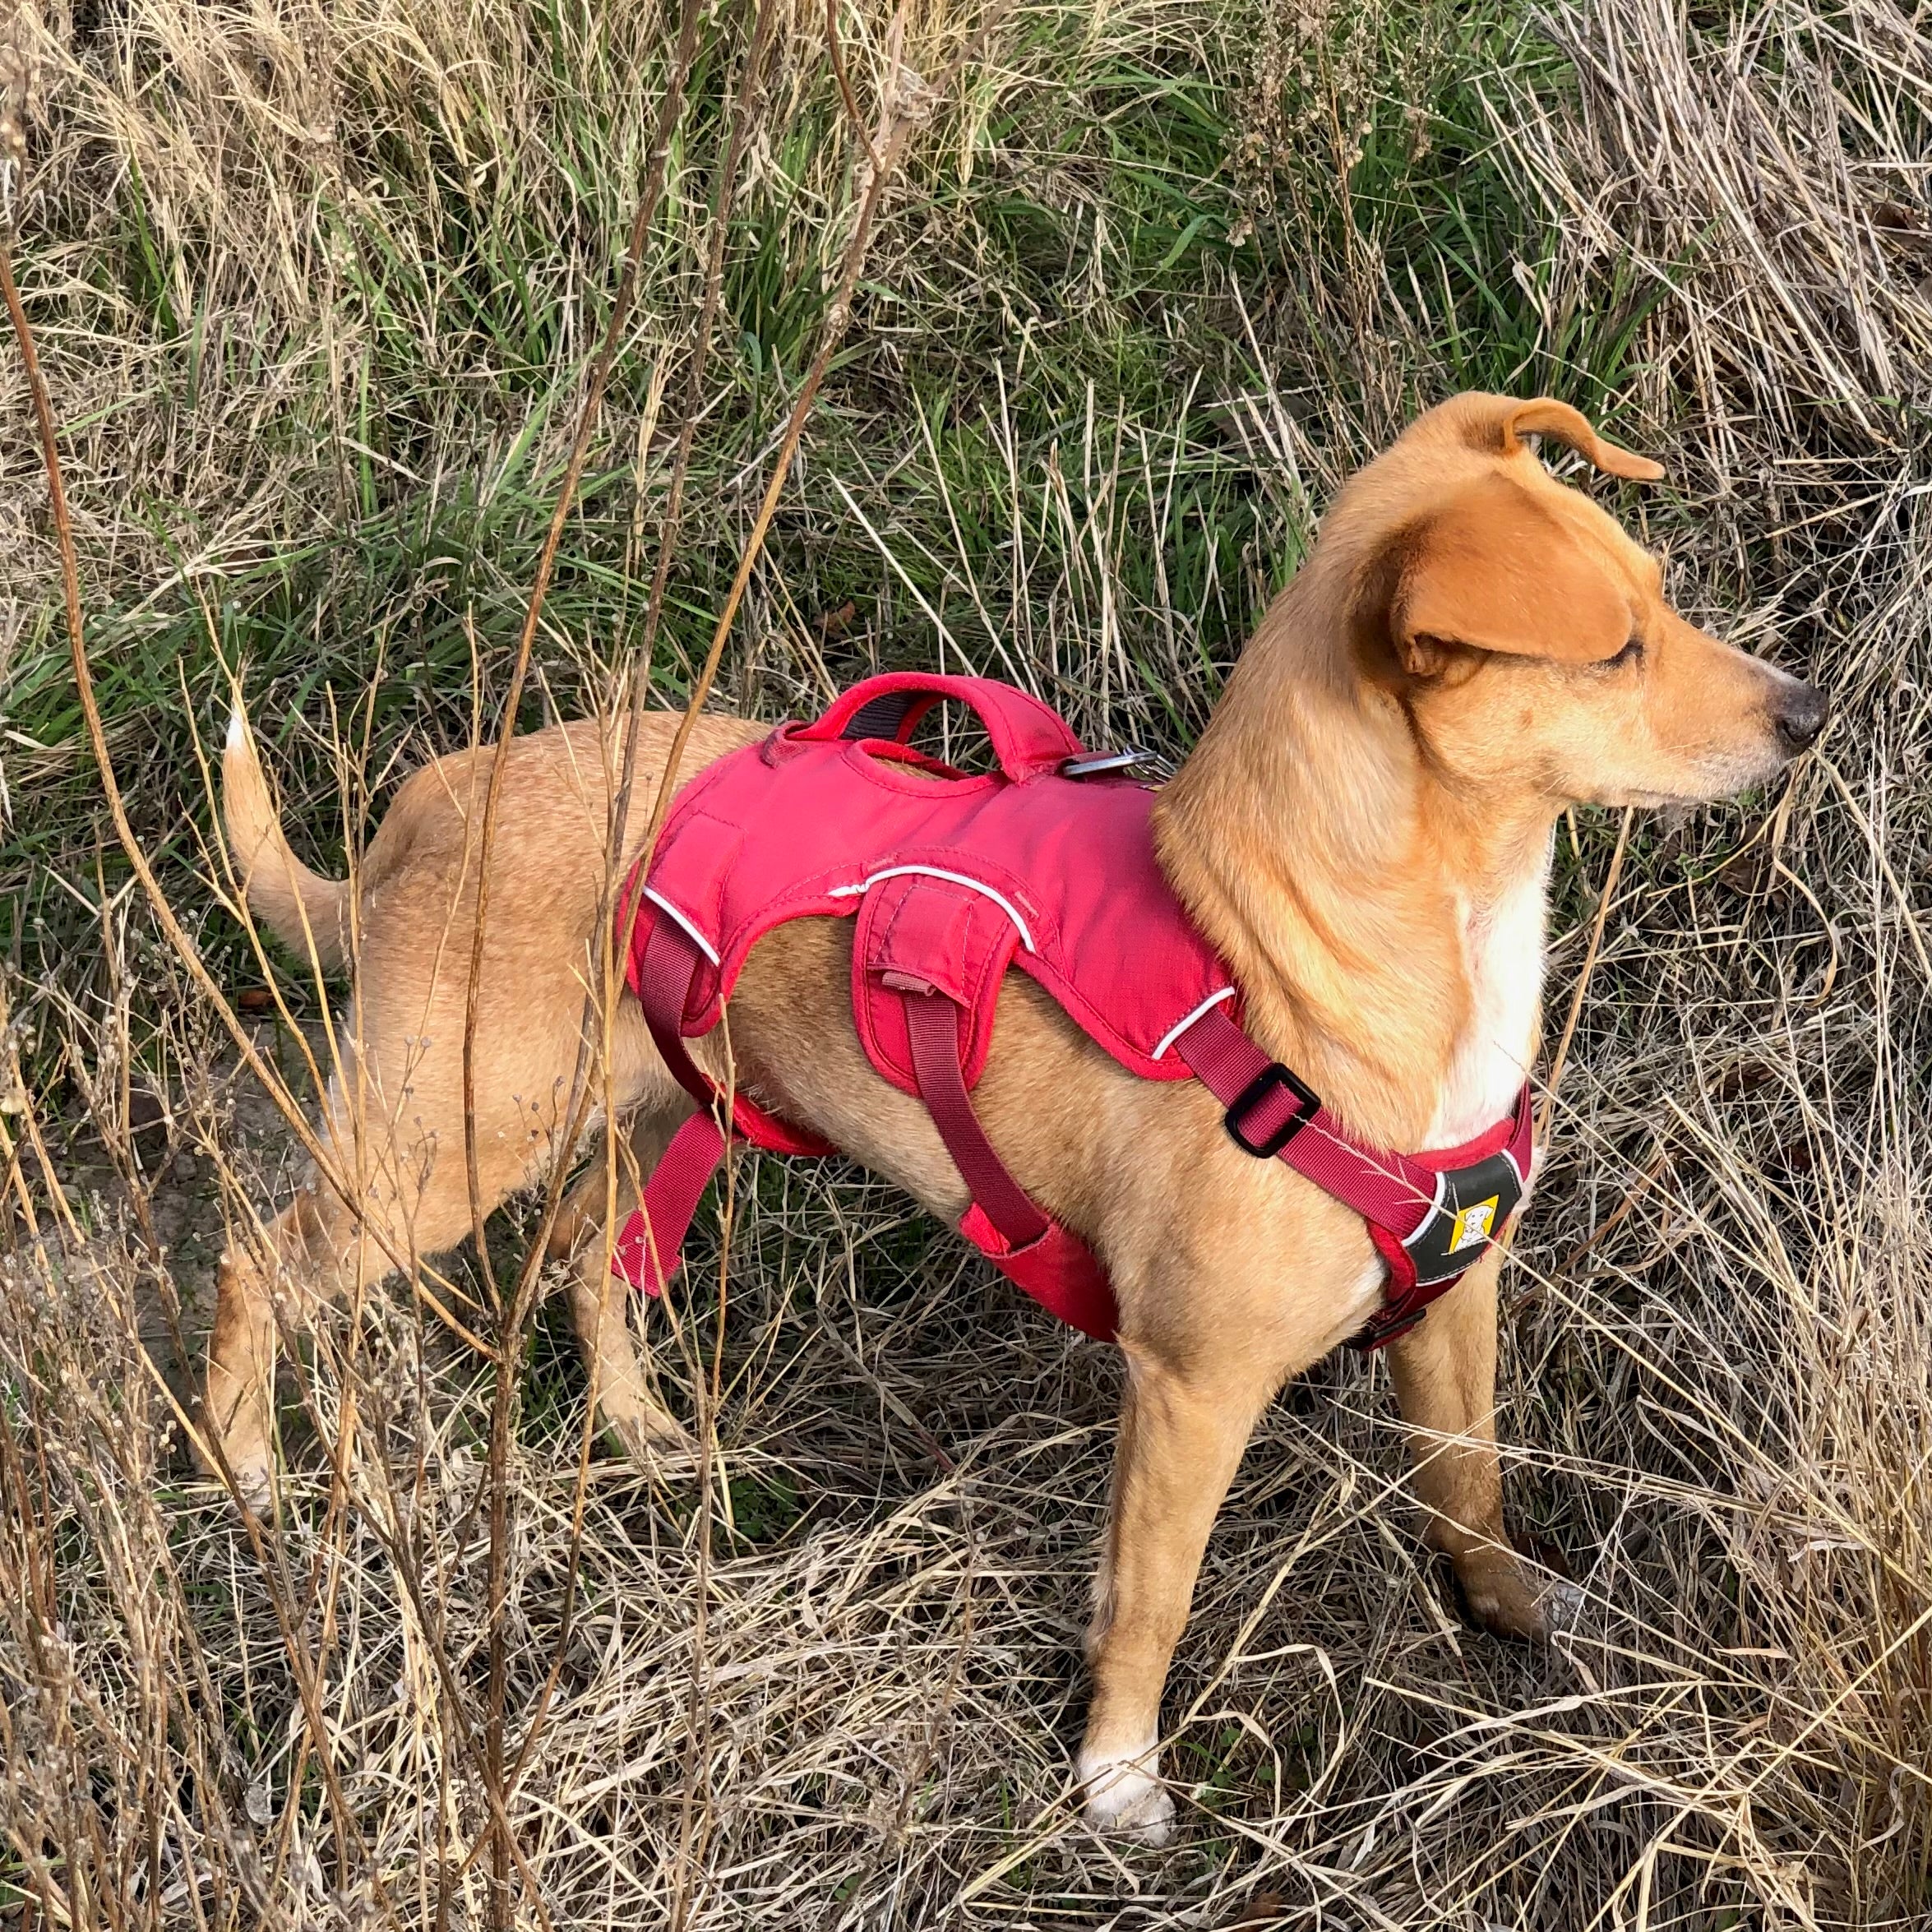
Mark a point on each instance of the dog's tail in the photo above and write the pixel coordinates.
(309, 914)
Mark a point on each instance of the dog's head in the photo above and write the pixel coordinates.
(1527, 636)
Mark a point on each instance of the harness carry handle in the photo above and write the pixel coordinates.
(1029, 739)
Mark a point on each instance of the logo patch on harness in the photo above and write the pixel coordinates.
(1472, 1227)
(1471, 1210)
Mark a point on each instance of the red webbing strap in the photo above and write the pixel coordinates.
(1522, 1133)
(664, 975)
(650, 1241)
(932, 1025)
(648, 1245)
(1389, 1190)
(1050, 1262)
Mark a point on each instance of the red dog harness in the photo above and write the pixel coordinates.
(954, 879)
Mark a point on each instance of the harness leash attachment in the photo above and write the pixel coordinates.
(1049, 867)
(1102, 763)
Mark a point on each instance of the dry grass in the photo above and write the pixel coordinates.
(316, 289)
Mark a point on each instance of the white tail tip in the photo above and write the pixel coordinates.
(238, 729)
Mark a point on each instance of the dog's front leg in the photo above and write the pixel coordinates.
(1445, 1372)
(1181, 1440)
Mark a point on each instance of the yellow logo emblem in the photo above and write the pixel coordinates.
(1473, 1225)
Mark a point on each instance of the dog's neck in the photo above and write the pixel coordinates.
(1386, 930)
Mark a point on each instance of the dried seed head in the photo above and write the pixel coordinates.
(15, 70)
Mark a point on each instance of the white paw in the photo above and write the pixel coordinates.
(652, 1442)
(254, 1485)
(1563, 1605)
(1125, 1796)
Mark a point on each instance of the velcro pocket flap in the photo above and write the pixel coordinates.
(916, 930)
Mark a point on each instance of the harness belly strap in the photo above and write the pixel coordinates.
(1052, 1264)
(654, 1235)
(932, 1023)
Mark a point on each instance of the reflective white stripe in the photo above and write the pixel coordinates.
(1000, 899)
(1180, 1026)
(697, 938)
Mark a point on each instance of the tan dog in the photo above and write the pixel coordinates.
(1363, 831)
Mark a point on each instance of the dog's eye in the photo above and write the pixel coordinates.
(1631, 653)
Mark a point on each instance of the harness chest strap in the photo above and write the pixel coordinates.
(1270, 1115)
(1413, 1208)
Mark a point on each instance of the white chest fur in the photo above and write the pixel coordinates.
(1503, 941)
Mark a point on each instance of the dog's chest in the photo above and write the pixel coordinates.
(1503, 957)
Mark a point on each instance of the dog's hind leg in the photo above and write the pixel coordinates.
(237, 1406)
(318, 1249)
(618, 1365)
(393, 1127)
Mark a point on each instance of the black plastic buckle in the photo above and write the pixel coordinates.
(1274, 1075)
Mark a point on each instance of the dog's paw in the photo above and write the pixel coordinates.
(653, 1442)
(1564, 1606)
(1124, 1795)
(252, 1488)
(233, 1443)
(244, 1467)
(1510, 1596)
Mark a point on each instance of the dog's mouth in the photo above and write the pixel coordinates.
(1719, 775)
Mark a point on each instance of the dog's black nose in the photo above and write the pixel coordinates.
(1801, 713)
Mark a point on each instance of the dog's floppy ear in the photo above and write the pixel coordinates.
(1495, 570)
(1547, 417)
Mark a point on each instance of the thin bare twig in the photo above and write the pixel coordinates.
(1604, 899)
(510, 1316)
(43, 408)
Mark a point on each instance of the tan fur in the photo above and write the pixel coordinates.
(306, 912)
(1368, 810)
